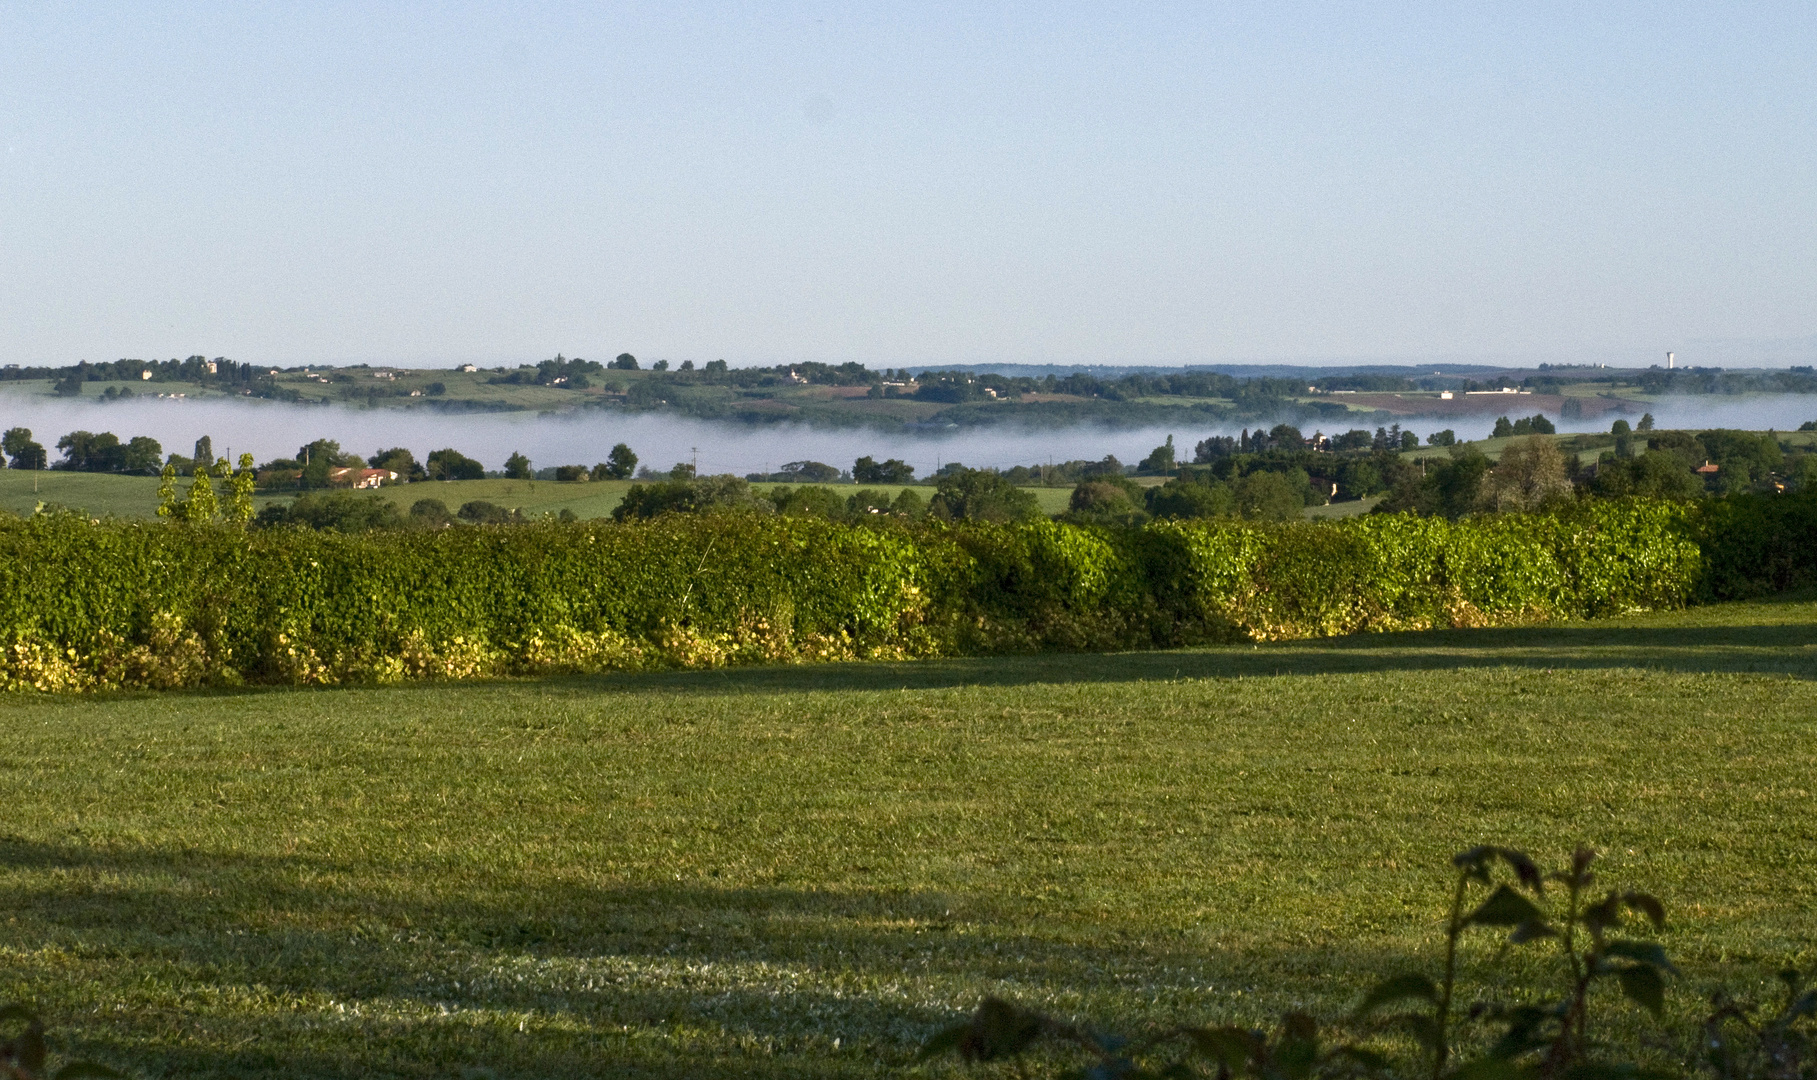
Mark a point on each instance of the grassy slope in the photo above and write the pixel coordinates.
(100, 494)
(722, 873)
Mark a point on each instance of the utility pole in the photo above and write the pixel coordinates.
(695, 450)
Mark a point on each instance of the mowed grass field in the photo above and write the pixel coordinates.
(788, 872)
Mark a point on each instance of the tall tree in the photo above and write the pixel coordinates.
(399, 460)
(86, 451)
(1160, 460)
(621, 463)
(141, 455)
(451, 464)
(22, 450)
(1529, 476)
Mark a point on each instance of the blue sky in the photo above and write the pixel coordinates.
(909, 184)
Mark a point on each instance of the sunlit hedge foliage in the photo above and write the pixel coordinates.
(94, 605)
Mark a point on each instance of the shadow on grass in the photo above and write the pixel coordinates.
(190, 963)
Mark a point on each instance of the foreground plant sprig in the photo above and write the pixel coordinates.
(1544, 1038)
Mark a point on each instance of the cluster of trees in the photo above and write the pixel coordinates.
(104, 452)
(316, 461)
(353, 512)
(1537, 424)
(1247, 394)
(960, 494)
(620, 464)
(866, 470)
(1536, 472)
(1286, 437)
(22, 452)
(1065, 473)
(85, 451)
(310, 467)
(1263, 494)
(803, 472)
(560, 371)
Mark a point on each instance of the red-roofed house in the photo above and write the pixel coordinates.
(361, 478)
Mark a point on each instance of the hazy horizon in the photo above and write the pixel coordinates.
(1765, 354)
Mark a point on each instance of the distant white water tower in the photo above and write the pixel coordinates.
(1668, 361)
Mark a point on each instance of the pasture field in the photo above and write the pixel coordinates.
(802, 871)
(97, 494)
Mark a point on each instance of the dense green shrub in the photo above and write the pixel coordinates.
(86, 604)
(1223, 580)
(345, 511)
(981, 495)
(1757, 544)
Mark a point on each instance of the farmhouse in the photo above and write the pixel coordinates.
(361, 478)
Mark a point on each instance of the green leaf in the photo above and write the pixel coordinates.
(1398, 988)
(1505, 907)
(1644, 986)
(1642, 952)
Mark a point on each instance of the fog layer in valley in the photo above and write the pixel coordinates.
(270, 429)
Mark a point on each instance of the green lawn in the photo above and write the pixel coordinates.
(801, 871)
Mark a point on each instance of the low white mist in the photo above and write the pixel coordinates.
(271, 429)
